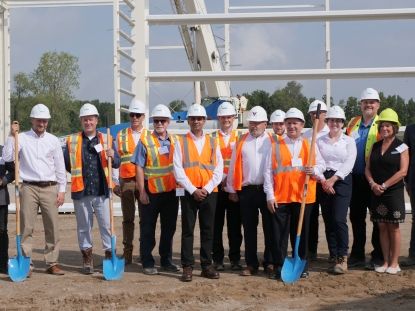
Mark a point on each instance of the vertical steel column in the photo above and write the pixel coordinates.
(4, 72)
(116, 62)
(140, 52)
(328, 57)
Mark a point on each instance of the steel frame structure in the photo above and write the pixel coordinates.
(142, 20)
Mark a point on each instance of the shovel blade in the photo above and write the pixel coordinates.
(113, 268)
(19, 266)
(292, 269)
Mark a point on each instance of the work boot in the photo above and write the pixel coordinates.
(341, 265)
(88, 263)
(128, 256)
(108, 254)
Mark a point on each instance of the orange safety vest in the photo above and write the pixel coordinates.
(237, 173)
(159, 167)
(289, 180)
(74, 144)
(372, 137)
(199, 168)
(226, 150)
(126, 147)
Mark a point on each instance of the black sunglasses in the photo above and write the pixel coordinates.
(137, 115)
(162, 121)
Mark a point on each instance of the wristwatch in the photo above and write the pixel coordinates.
(384, 186)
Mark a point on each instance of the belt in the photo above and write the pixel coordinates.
(253, 187)
(41, 184)
(128, 179)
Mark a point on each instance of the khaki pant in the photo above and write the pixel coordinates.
(129, 196)
(32, 197)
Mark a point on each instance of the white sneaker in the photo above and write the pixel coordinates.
(391, 270)
(381, 269)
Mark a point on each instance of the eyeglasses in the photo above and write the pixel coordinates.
(162, 121)
(137, 115)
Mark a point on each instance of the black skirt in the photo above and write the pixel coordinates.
(389, 207)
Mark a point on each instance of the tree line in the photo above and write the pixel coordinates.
(57, 76)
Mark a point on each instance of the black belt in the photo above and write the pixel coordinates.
(41, 184)
(128, 179)
(253, 187)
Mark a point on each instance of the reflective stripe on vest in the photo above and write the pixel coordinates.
(226, 150)
(126, 147)
(372, 137)
(288, 180)
(238, 170)
(159, 167)
(199, 168)
(74, 145)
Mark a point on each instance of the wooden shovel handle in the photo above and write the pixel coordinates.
(111, 203)
(17, 178)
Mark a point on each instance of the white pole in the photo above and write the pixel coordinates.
(197, 91)
(227, 40)
(116, 64)
(328, 57)
(140, 52)
(4, 73)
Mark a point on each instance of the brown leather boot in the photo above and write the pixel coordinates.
(341, 265)
(128, 256)
(88, 263)
(108, 254)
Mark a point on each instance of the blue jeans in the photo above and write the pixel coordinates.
(84, 210)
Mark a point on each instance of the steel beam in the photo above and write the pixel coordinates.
(282, 17)
(299, 74)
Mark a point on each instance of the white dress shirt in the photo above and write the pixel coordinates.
(338, 156)
(294, 146)
(136, 138)
(254, 151)
(41, 157)
(180, 174)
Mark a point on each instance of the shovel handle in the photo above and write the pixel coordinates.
(111, 203)
(307, 178)
(17, 178)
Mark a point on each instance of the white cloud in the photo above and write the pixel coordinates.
(257, 46)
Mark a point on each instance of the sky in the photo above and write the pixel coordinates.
(86, 32)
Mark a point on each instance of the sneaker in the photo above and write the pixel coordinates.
(356, 262)
(391, 270)
(380, 269)
(341, 265)
(150, 271)
(236, 266)
(170, 268)
(219, 266)
(409, 261)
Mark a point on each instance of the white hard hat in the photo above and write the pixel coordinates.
(295, 114)
(257, 114)
(137, 106)
(88, 110)
(370, 93)
(40, 111)
(226, 109)
(314, 104)
(196, 110)
(277, 116)
(161, 111)
(335, 112)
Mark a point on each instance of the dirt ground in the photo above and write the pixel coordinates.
(357, 290)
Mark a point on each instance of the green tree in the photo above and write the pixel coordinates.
(54, 80)
(352, 108)
(21, 92)
(410, 111)
(258, 98)
(177, 105)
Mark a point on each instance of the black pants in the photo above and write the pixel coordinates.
(234, 229)
(412, 242)
(334, 210)
(166, 204)
(252, 199)
(314, 213)
(4, 238)
(284, 224)
(206, 210)
(358, 209)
